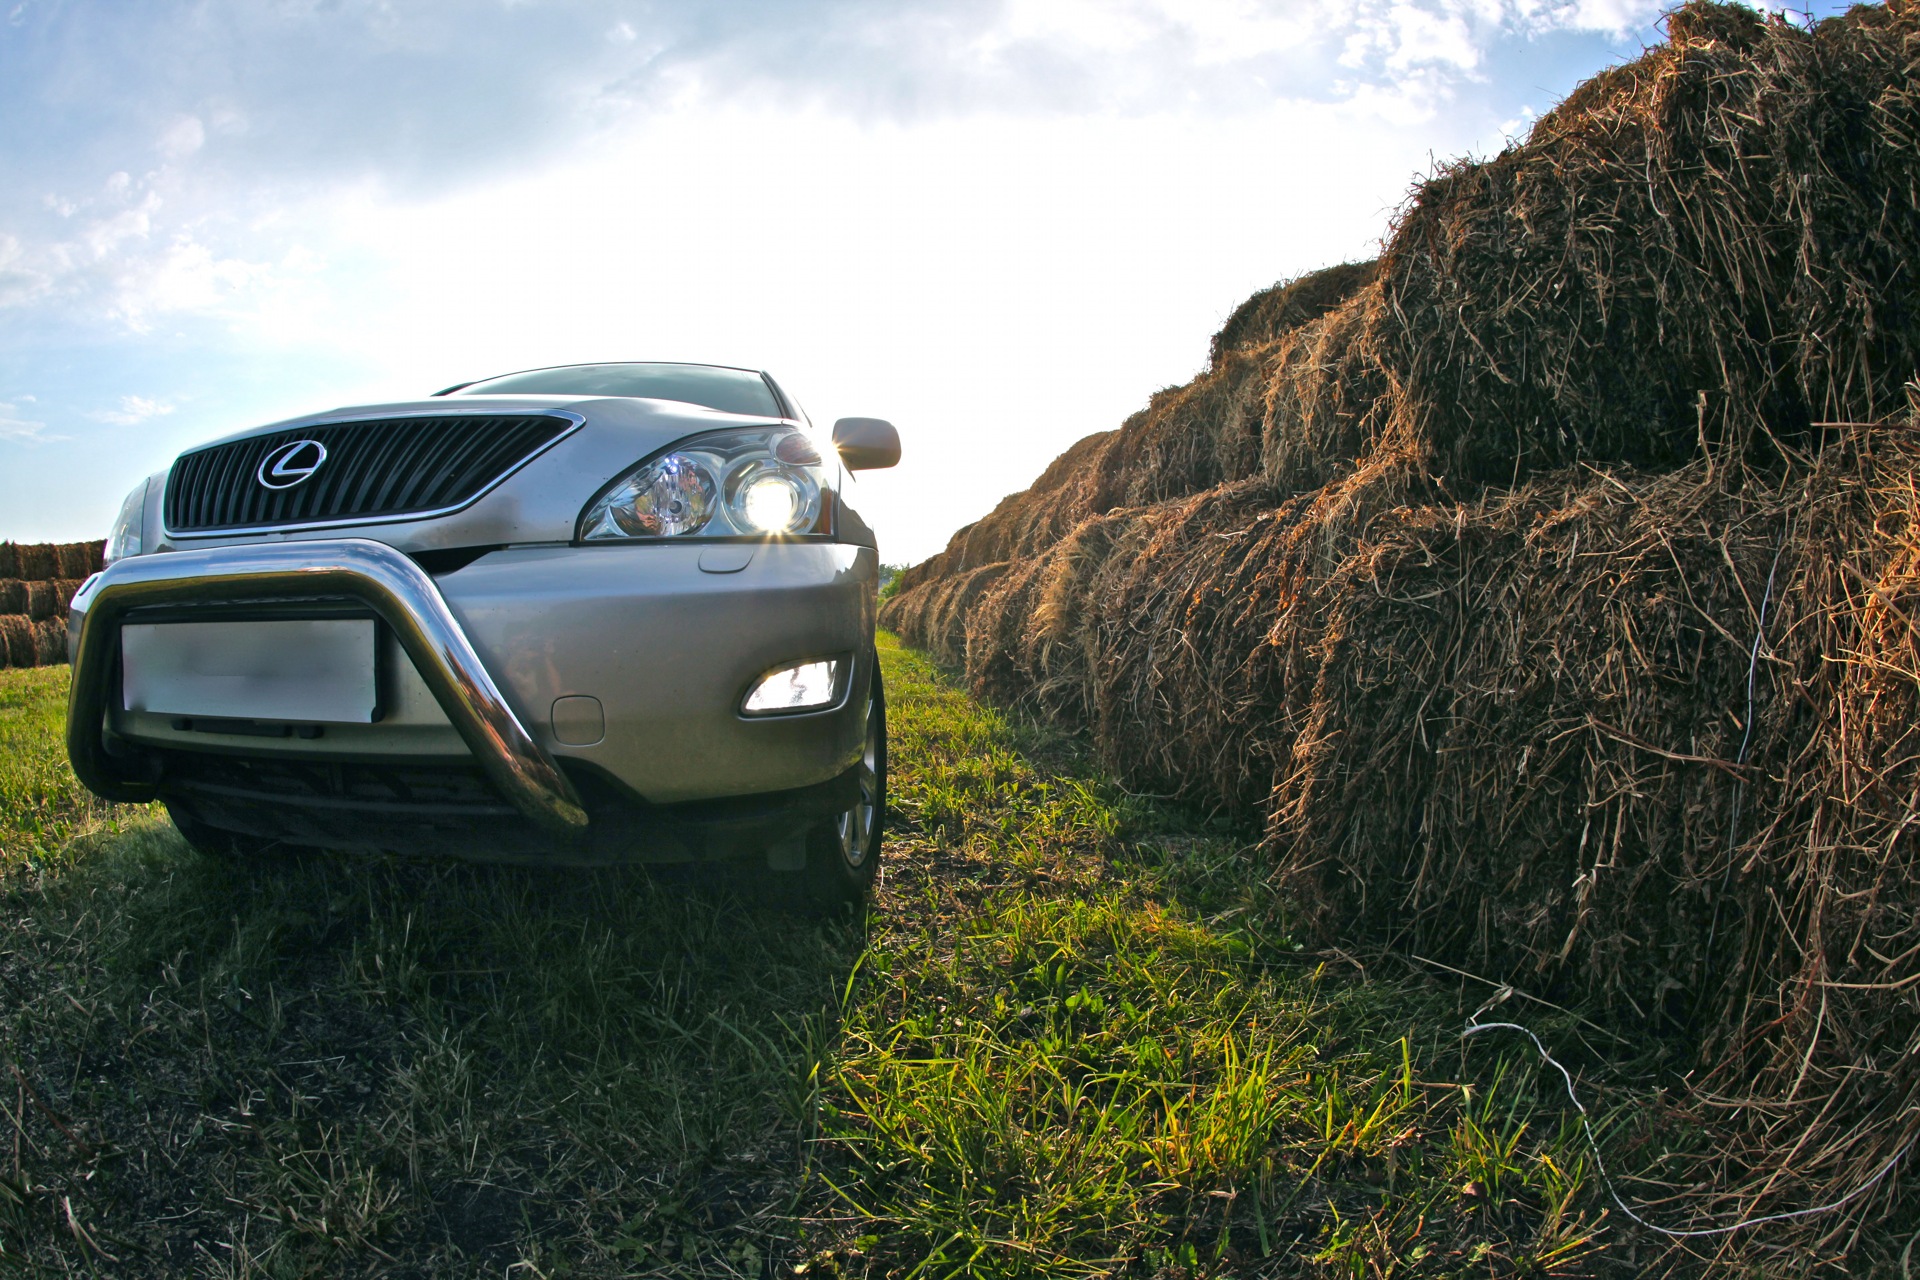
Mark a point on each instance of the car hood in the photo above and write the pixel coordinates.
(538, 502)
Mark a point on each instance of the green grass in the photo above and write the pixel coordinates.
(1074, 1037)
(44, 810)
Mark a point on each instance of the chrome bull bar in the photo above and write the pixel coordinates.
(385, 580)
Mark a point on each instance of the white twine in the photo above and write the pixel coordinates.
(1586, 1126)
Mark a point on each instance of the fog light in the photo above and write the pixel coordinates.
(800, 687)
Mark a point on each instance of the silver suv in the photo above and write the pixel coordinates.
(588, 614)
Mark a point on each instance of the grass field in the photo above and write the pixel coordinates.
(1073, 1037)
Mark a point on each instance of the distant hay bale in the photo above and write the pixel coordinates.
(40, 600)
(60, 593)
(31, 642)
(47, 598)
(37, 561)
(77, 559)
(42, 561)
(940, 610)
(17, 647)
(1457, 584)
(1286, 306)
(1033, 638)
(37, 583)
(50, 642)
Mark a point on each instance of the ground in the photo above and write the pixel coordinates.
(1074, 1036)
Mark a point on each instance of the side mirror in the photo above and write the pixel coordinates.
(866, 444)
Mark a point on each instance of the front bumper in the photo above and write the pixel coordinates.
(663, 638)
(390, 584)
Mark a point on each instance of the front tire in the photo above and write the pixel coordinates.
(843, 852)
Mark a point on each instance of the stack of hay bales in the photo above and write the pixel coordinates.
(36, 582)
(1550, 588)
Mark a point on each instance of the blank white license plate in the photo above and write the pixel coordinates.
(312, 670)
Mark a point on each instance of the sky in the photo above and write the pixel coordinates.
(1001, 224)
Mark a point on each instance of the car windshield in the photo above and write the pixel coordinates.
(728, 390)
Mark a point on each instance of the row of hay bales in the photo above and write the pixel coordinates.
(36, 582)
(1549, 589)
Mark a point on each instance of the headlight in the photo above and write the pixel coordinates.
(124, 539)
(675, 495)
(760, 482)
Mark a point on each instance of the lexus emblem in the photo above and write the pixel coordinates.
(291, 464)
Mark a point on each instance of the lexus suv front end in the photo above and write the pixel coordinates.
(599, 613)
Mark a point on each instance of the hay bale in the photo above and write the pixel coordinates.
(45, 599)
(1194, 438)
(16, 641)
(995, 618)
(1274, 312)
(1529, 751)
(13, 596)
(44, 561)
(35, 561)
(77, 559)
(938, 610)
(1330, 403)
(1730, 216)
(40, 600)
(62, 591)
(50, 642)
(1029, 635)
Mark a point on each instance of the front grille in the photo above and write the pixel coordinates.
(382, 468)
(346, 785)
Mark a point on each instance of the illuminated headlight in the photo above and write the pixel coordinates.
(123, 540)
(754, 483)
(771, 497)
(804, 686)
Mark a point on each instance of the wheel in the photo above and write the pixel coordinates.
(228, 846)
(843, 852)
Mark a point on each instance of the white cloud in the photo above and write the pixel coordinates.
(184, 137)
(19, 283)
(14, 427)
(1614, 17)
(1091, 24)
(185, 277)
(133, 410)
(104, 238)
(122, 255)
